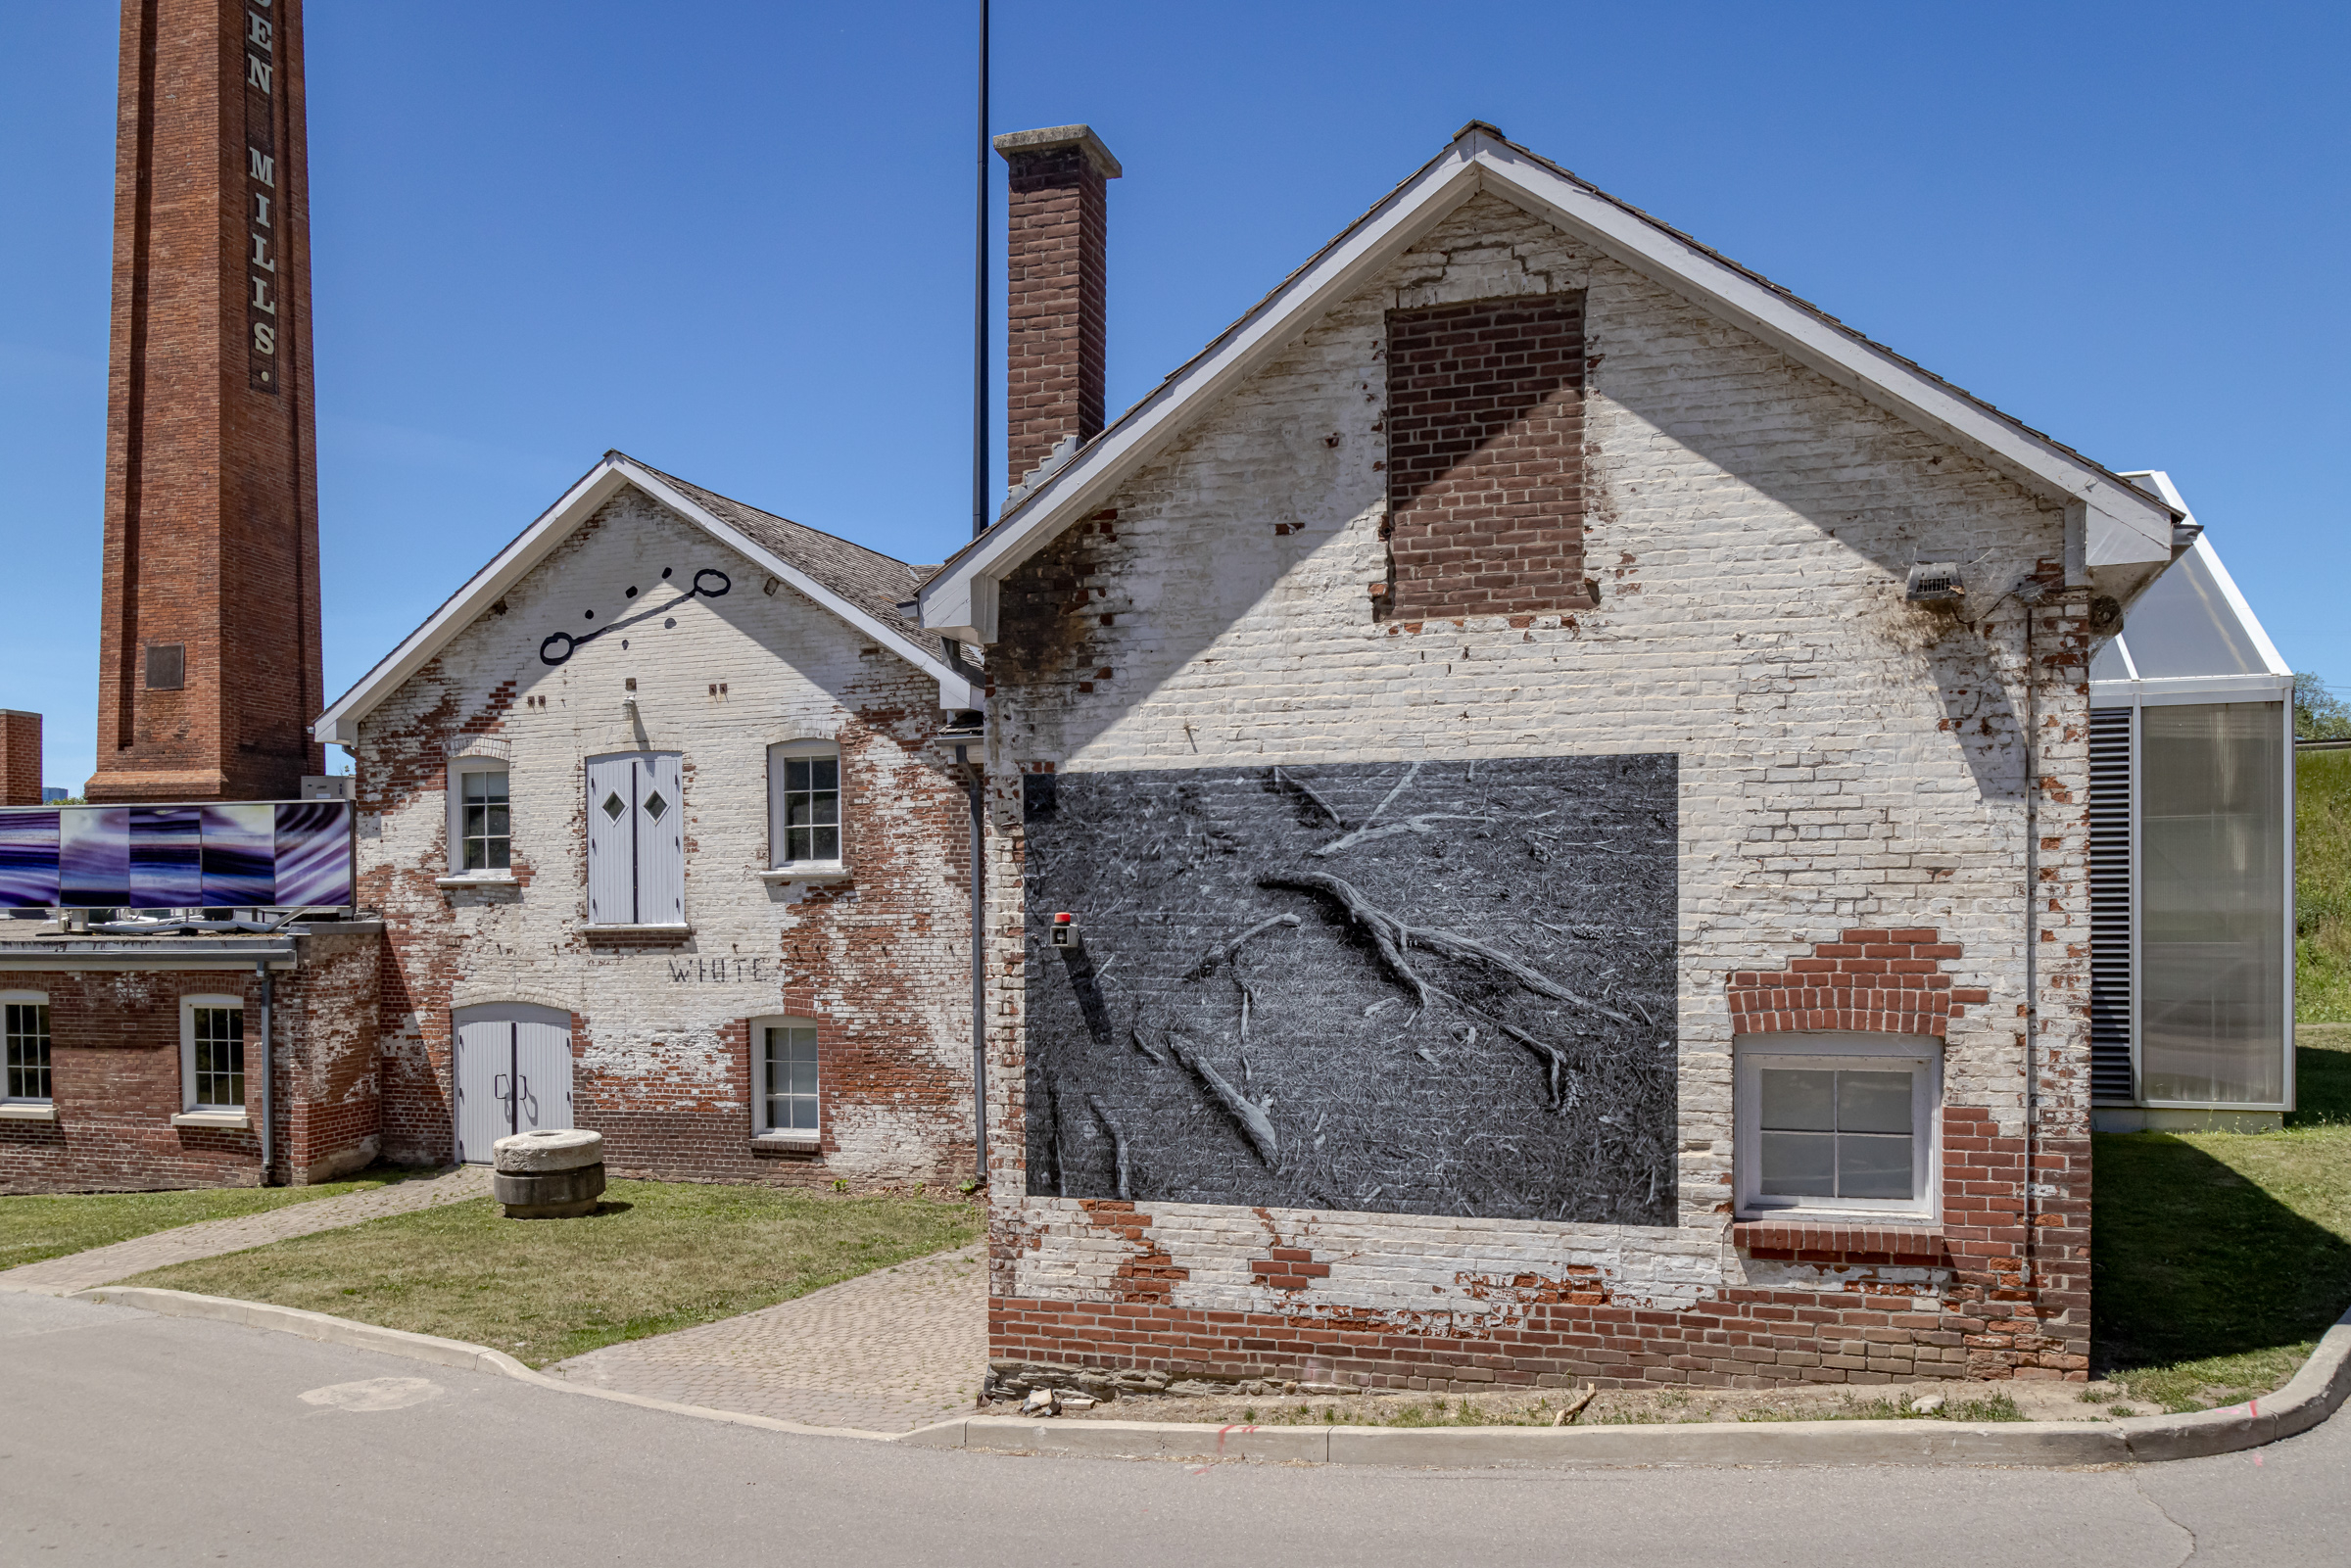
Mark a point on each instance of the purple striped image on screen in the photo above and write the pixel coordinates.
(27, 859)
(313, 853)
(240, 855)
(93, 857)
(166, 857)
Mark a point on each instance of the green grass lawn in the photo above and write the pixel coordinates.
(660, 1256)
(42, 1225)
(2322, 886)
(2219, 1259)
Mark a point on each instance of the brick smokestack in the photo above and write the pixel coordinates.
(20, 758)
(1057, 284)
(209, 673)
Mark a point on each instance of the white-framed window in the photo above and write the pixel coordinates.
(787, 1087)
(804, 799)
(1838, 1123)
(24, 1031)
(211, 1055)
(481, 823)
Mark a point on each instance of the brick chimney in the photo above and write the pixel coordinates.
(20, 758)
(1056, 267)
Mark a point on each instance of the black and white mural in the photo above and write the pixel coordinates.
(1430, 988)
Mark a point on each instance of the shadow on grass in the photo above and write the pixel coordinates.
(2195, 1259)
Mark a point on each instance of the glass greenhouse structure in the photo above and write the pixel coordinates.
(2192, 858)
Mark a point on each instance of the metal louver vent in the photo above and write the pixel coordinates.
(2111, 902)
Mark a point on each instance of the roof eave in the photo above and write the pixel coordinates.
(339, 724)
(2119, 524)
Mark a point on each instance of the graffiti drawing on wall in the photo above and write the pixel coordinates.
(1433, 987)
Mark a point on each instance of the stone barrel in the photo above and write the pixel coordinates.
(552, 1174)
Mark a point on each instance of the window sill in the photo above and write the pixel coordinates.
(798, 1142)
(29, 1111)
(811, 871)
(1791, 1234)
(480, 879)
(232, 1121)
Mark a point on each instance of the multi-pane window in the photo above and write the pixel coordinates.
(483, 826)
(806, 808)
(26, 1026)
(788, 1063)
(217, 1077)
(1841, 1121)
(1835, 1133)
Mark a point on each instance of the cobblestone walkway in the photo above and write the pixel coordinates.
(103, 1265)
(886, 1351)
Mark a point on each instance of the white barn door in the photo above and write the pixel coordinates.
(637, 840)
(513, 1073)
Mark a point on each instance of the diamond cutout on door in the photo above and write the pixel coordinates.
(615, 807)
(655, 805)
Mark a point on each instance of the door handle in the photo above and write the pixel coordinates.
(522, 1094)
(497, 1093)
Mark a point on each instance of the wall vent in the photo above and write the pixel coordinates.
(2112, 1081)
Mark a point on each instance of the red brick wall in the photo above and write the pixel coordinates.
(1056, 302)
(211, 514)
(1882, 983)
(1485, 427)
(20, 758)
(114, 1072)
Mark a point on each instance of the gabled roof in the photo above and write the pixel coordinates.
(863, 587)
(2118, 523)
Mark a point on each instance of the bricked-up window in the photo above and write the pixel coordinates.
(804, 801)
(1485, 427)
(485, 834)
(789, 1104)
(213, 1052)
(25, 1025)
(1836, 1123)
(166, 666)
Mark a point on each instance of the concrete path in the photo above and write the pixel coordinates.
(103, 1265)
(885, 1351)
(136, 1438)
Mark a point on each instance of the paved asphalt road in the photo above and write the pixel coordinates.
(131, 1437)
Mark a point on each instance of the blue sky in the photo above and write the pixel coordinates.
(734, 239)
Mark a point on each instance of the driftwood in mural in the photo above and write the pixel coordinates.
(1434, 987)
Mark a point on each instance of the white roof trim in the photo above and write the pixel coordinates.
(2124, 524)
(339, 724)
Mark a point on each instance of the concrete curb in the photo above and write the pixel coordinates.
(2314, 1393)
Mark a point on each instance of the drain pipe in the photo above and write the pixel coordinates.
(260, 966)
(2028, 593)
(976, 777)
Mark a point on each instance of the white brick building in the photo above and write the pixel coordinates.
(655, 816)
(1869, 1155)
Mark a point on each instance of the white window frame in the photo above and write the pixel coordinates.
(761, 1128)
(28, 1107)
(1852, 1051)
(192, 1112)
(459, 874)
(780, 869)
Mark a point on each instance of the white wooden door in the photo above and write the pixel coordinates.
(542, 1075)
(612, 840)
(637, 840)
(660, 839)
(513, 1073)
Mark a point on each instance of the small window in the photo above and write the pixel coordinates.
(26, 1027)
(483, 827)
(788, 1071)
(805, 805)
(1837, 1122)
(214, 1035)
